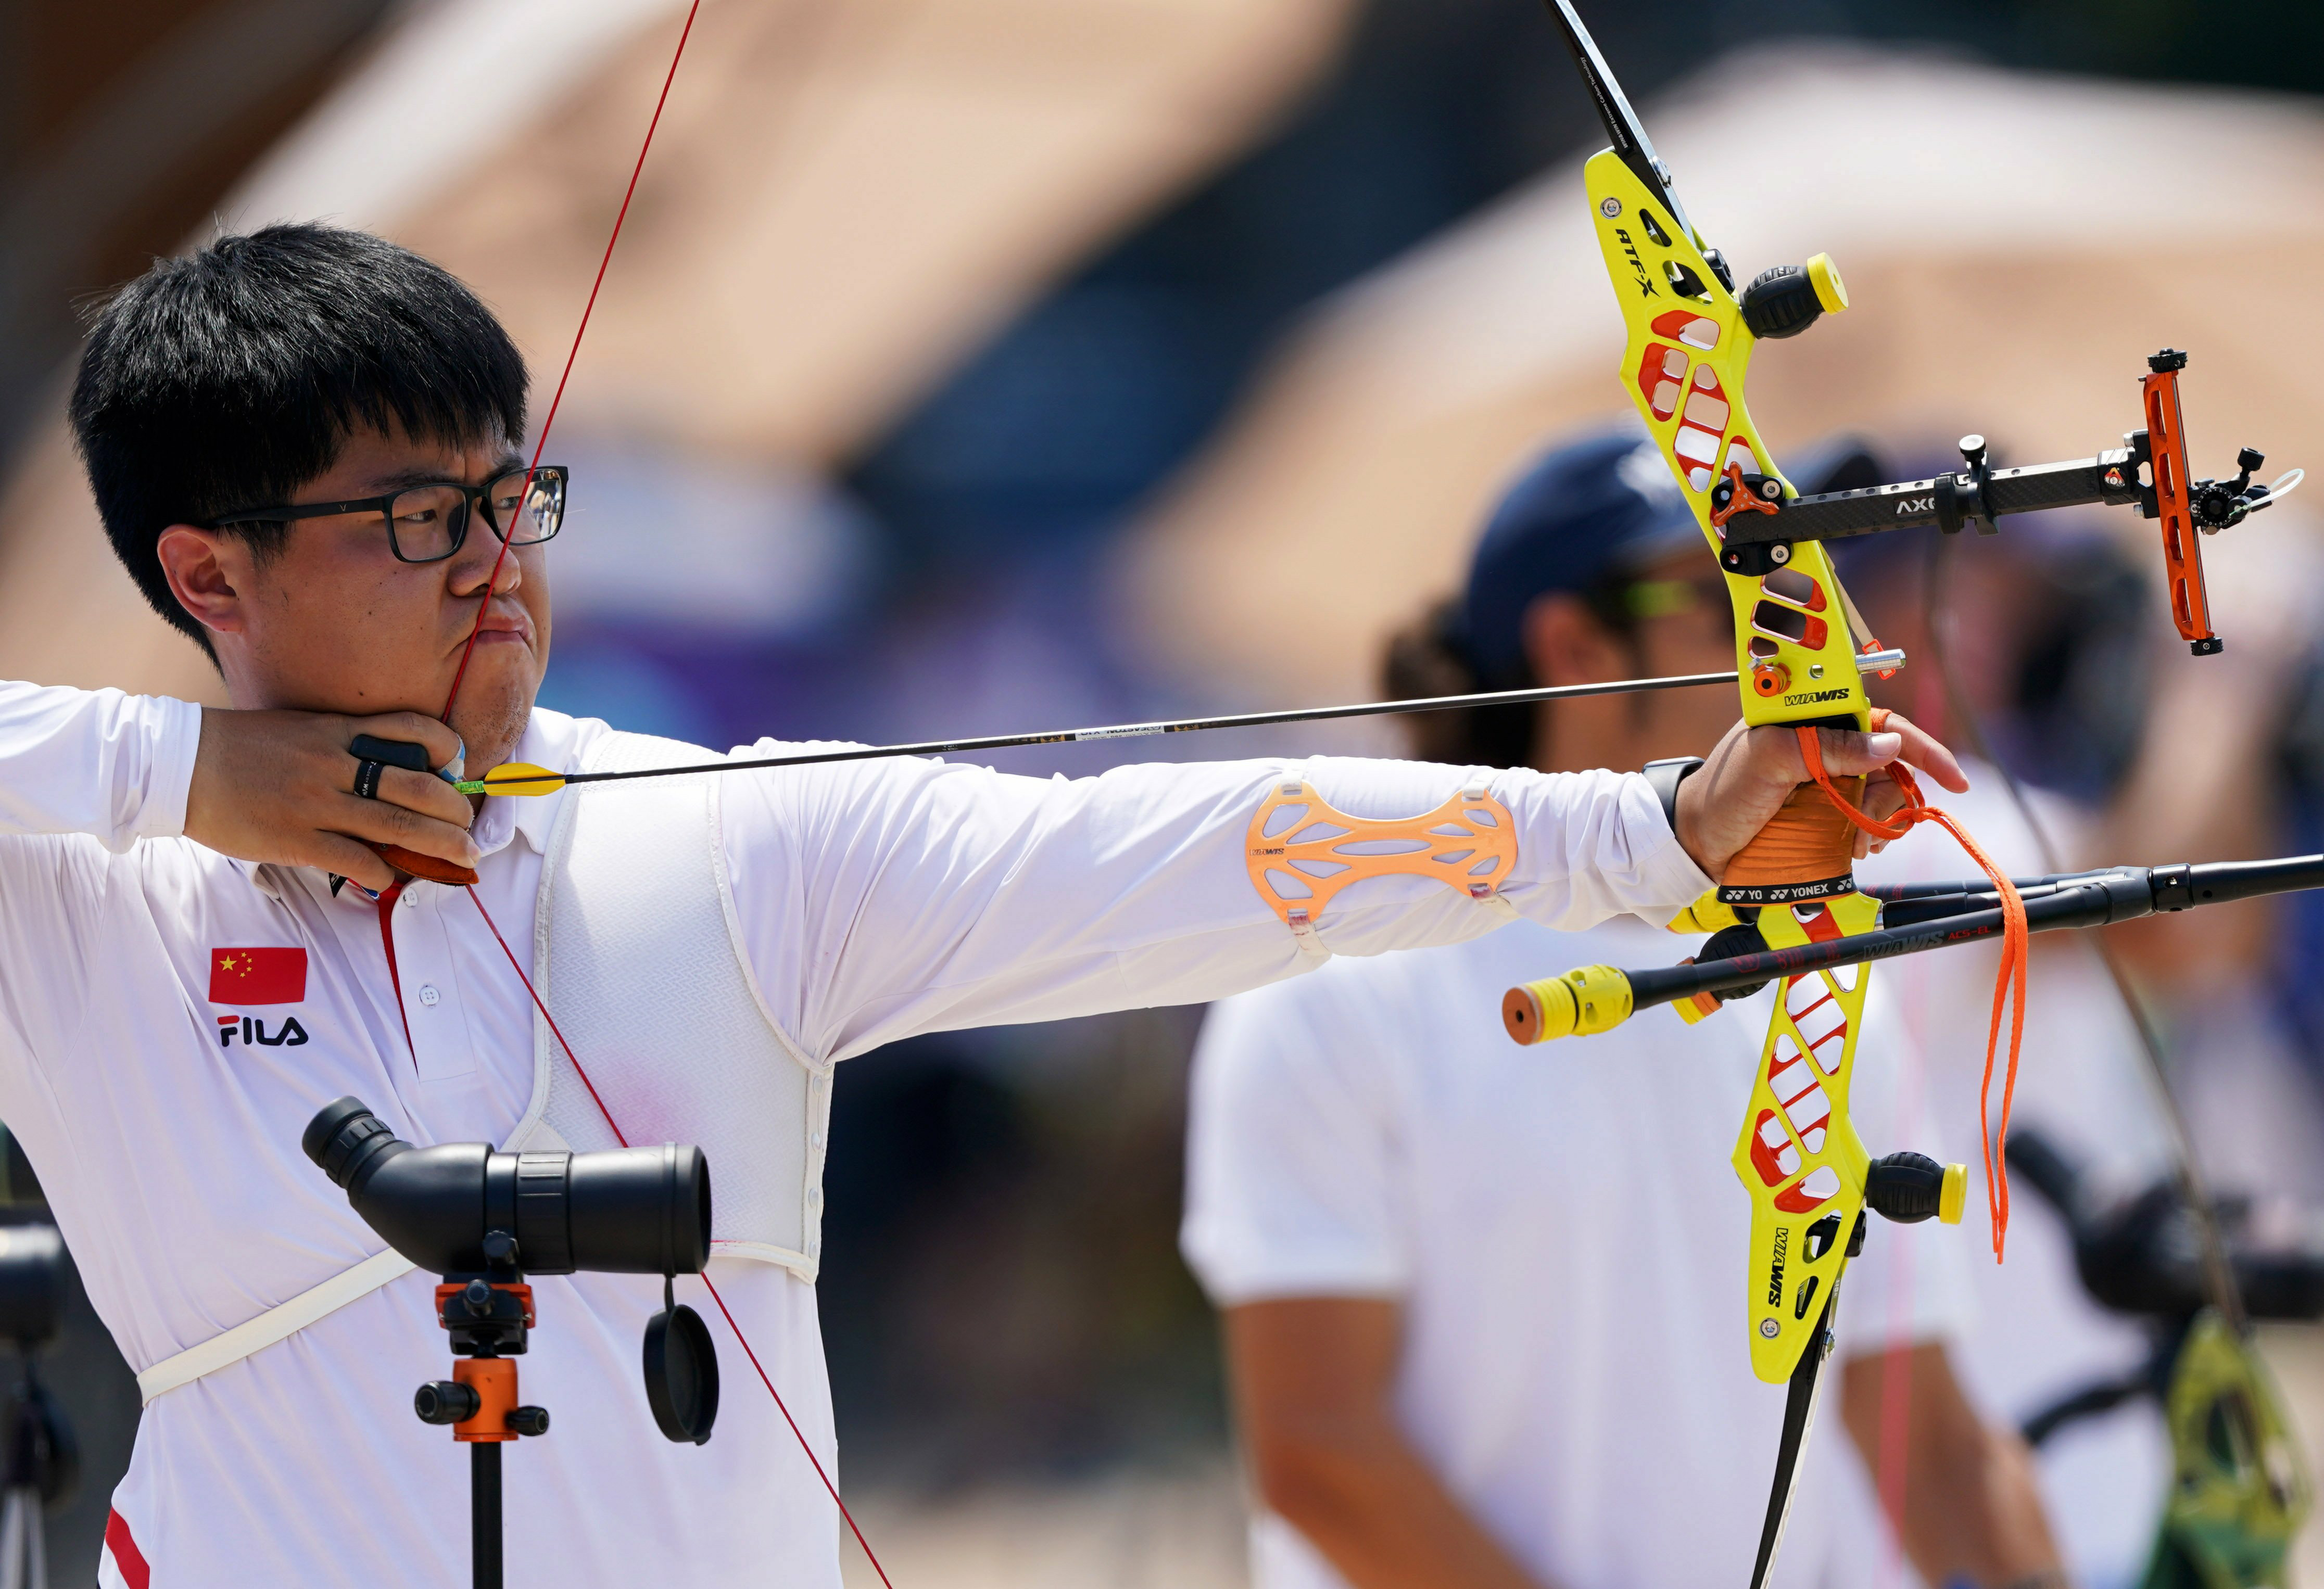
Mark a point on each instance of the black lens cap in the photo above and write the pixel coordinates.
(681, 1374)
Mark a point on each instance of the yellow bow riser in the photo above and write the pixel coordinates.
(1798, 1155)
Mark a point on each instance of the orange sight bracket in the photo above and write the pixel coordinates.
(1301, 852)
(2183, 554)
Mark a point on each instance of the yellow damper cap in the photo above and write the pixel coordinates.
(1707, 914)
(1583, 1003)
(1954, 1197)
(1830, 291)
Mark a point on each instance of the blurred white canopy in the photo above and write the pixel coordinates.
(843, 197)
(2015, 245)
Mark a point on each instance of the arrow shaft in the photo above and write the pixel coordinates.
(1140, 730)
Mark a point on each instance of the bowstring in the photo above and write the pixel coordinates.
(615, 1126)
(541, 444)
(459, 675)
(2218, 1273)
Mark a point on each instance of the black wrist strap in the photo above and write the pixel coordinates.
(1665, 776)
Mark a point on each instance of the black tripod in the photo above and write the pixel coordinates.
(490, 1319)
(42, 1463)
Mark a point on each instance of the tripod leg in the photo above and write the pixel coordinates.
(12, 1514)
(484, 1510)
(36, 1539)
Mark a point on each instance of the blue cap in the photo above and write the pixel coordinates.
(1590, 509)
(1583, 510)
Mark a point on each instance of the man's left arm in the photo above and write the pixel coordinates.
(879, 899)
(896, 897)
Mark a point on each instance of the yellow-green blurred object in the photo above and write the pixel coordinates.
(2239, 1491)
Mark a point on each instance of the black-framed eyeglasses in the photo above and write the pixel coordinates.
(427, 523)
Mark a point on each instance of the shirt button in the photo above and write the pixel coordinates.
(430, 996)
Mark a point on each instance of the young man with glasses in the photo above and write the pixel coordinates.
(1483, 1303)
(294, 438)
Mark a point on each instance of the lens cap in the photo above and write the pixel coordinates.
(681, 1374)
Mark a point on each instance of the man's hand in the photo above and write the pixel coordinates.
(1747, 779)
(279, 786)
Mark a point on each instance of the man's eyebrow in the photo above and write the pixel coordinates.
(395, 480)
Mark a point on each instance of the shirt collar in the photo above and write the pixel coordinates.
(551, 740)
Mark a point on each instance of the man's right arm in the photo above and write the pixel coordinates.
(260, 785)
(1312, 1378)
(95, 762)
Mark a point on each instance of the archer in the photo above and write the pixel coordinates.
(302, 443)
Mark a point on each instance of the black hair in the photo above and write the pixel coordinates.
(1429, 656)
(231, 379)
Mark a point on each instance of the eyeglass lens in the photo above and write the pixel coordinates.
(429, 522)
(542, 509)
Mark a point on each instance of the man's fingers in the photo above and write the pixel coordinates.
(355, 862)
(1922, 750)
(1850, 751)
(383, 822)
(1882, 799)
(442, 745)
(426, 793)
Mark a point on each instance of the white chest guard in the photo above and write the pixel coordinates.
(638, 955)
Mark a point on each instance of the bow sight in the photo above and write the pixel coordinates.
(483, 1219)
(2148, 472)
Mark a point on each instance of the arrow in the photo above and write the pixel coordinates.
(518, 777)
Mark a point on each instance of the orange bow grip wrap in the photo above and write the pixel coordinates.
(1301, 852)
(1806, 852)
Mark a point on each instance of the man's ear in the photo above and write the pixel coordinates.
(1565, 643)
(208, 572)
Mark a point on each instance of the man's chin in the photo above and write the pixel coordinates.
(490, 717)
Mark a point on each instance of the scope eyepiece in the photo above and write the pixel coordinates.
(452, 1208)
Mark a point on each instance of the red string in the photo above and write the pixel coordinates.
(2008, 985)
(541, 445)
(800, 1435)
(484, 606)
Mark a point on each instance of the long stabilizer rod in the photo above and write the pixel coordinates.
(1597, 998)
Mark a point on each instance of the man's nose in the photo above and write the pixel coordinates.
(474, 562)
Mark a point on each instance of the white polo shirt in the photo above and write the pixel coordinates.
(1567, 1238)
(874, 899)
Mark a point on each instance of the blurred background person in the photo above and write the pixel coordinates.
(2044, 645)
(1479, 1300)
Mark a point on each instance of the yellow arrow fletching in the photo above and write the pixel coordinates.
(520, 778)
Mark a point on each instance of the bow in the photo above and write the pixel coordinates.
(1788, 908)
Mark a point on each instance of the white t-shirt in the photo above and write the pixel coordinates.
(1566, 1235)
(2038, 1337)
(874, 900)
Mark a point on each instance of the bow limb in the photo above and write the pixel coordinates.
(1805, 1389)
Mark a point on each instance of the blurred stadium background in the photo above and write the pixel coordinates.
(980, 365)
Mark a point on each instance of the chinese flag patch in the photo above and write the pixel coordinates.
(258, 976)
